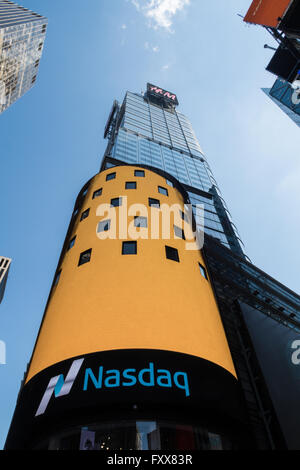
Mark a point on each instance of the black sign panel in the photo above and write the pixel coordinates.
(284, 64)
(114, 383)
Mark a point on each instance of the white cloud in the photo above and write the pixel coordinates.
(123, 26)
(165, 67)
(148, 47)
(161, 12)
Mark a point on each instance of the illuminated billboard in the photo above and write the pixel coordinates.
(267, 12)
(158, 92)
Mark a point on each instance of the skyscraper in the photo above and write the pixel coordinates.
(149, 130)
(22, 36)
(146, 343)
(4, 268)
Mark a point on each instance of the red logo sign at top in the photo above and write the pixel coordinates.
(154, 90)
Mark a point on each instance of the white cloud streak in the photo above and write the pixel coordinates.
(161, 12)
(149, 47)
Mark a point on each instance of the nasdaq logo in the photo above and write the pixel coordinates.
(101, 378)
(59, 386)
(148, 377)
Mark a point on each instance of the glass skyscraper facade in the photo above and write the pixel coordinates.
(22, 36)
(146, 131)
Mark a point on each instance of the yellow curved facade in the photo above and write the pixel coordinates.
(142, 301)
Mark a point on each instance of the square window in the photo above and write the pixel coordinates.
(170, 183)
(163, 191)
(85, 214)
(111, 176)
(85, 257)
(97, 193)
(172, 253)
(129, 248)
(140, 221)
(84, 192)
(103, 226)
(139, 173)
(179, 232)
(72, 243)
(203, 271)
(154, 202)
(116, 202)
(130, 185)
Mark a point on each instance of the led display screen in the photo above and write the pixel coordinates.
(156, 91)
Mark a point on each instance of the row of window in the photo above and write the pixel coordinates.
(139, 222)
(130, 184)
(117, 202)
(130, 248)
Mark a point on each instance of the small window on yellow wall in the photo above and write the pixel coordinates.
(85, 257)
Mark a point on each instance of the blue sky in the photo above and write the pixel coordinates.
(52, 139)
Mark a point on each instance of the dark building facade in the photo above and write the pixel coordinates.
(156, 343)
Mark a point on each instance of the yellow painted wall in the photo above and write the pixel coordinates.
(134, 301)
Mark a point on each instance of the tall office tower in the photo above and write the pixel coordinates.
(149, 342)
(287, 98)
(4, 268)
(22, 36)
(149, 130)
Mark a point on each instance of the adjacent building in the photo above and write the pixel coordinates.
(287, 98)
(281, 18)
(4, 268)
(147, 343)
(22, 37)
